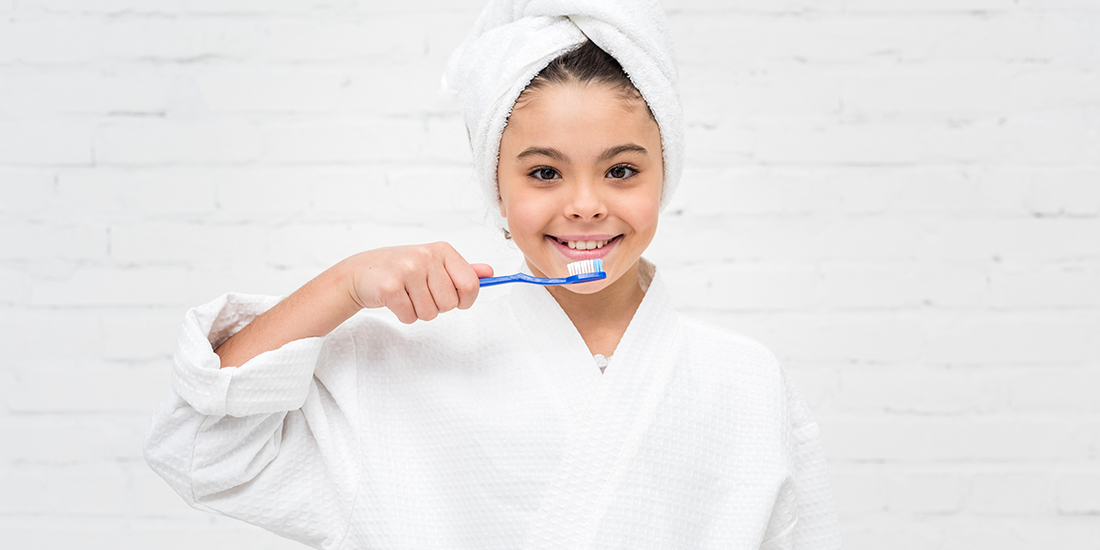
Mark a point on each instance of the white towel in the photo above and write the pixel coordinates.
(513, 40)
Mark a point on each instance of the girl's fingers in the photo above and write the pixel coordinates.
(443, 289)
(422, 300)
(402, 307)
(419, 282)
(464, 278)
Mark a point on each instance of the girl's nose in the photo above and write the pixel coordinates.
(586, 203)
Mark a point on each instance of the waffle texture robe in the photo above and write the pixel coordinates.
(494, 428)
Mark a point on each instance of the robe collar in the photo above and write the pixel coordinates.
(607, 414)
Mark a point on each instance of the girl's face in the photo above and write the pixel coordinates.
(580, 178)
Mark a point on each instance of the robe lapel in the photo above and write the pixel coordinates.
(607, 431)
(561, 356)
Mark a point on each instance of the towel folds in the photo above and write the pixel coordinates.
(513, 40)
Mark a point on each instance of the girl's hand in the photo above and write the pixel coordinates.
(414, 282)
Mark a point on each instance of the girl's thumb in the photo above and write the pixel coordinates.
(482, 270)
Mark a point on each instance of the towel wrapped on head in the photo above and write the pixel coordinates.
(513, 40)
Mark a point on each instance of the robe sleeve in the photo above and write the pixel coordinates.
(272, 442)
(816, 527)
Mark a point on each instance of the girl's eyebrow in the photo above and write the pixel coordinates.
(544, 151)
(628, 148)
(607, 155)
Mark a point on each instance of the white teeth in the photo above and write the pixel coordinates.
(586, 245)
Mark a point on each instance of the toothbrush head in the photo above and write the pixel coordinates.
(585, 271)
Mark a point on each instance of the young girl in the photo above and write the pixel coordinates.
(580, 416)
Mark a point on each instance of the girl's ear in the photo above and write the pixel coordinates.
(500, 202)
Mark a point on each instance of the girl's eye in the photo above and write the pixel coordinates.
(545, 174)
(621, 172)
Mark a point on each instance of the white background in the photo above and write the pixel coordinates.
(900, 198)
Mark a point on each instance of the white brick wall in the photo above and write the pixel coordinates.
(902, 199)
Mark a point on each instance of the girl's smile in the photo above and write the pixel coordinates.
(580, 178)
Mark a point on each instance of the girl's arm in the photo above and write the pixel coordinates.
(415, 282)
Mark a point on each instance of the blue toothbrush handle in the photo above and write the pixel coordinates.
(525, 278)
(519, 278)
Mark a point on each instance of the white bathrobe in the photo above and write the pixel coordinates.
(494, 428)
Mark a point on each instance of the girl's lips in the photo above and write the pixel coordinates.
(576, 255)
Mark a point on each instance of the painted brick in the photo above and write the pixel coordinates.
(446, 141)
(921, 390)
(103, 533)
(737, 40)
(1018, 533)
(54, 387)
(382, 140)
(60, 439)
(1011, 240)
(34, 95)
(1073, 192)
(386, 38)
(49, 7)
(831, 338)
(84, 489)
(843, 6)
(859, 492)
(138, 143)
(324, 245)
(442, 190)
(1062, 138)
(1079, 494)
(145, 193)
(1011, 494)
(926, 439)
(26, 193)
(237, 7)
(1054, 389)
(162, 285)
(14, 286)
(749, 287)
(186, 243)
(922, 493)
(1069, 286)
(299, 92)
(34, 42)
(264, 196)
(894, 285)
(45, 142)
(347, 195)
(29, 336)
(937, 191)
(140, 336)
(1039, 338)
(67, 242)
(879, 532)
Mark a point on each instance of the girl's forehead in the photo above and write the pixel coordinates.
(580, 95)
(575, 116)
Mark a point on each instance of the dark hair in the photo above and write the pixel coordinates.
(588, 63)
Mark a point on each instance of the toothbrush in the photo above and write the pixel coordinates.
(579, 272)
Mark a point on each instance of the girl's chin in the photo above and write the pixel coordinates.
(587, 288)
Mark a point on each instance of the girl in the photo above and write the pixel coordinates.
(587, 415)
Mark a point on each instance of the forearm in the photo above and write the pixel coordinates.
(313, 310)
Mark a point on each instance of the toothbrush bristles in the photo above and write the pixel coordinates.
(585, 266)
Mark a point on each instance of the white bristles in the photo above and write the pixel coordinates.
(585, 266)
